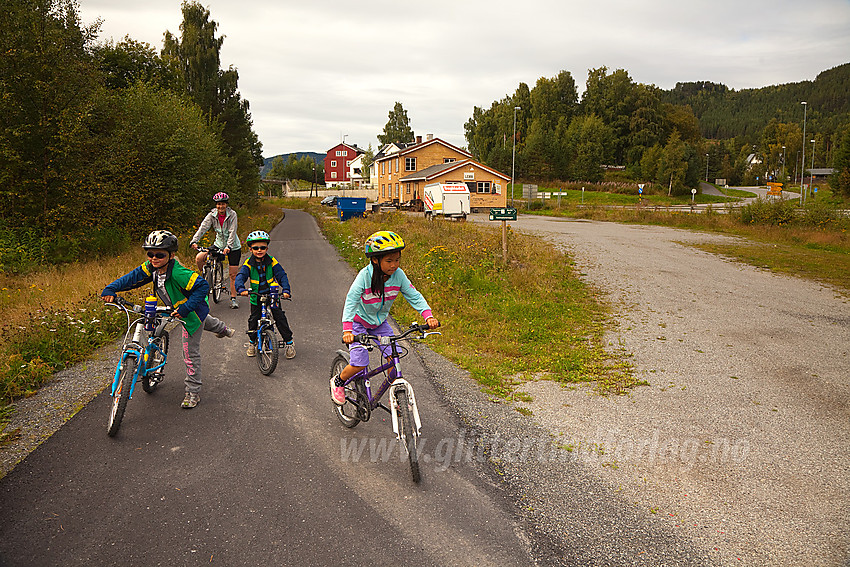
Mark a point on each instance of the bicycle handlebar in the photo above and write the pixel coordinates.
(364, 338)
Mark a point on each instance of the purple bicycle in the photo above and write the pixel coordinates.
(360, 401)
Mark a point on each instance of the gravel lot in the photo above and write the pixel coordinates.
(740, 442)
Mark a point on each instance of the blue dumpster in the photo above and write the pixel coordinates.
(348, 207)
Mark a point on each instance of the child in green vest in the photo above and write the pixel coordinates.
(185, 292)
(263, 271)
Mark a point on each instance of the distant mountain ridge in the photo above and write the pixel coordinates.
(267, 162)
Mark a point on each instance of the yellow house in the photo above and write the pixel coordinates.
(487, 187)
(398, 160)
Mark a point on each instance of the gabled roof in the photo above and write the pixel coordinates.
(440, 169)
(349, 146)
(409, 148)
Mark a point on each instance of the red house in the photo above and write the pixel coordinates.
(337, 162)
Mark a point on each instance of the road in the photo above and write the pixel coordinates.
(255, 475)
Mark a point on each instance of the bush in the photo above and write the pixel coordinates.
(760, 211)
(819, 214)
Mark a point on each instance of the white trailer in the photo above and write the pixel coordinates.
(447, 199)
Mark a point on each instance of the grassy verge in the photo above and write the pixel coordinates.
(53, 317)
(532, 318)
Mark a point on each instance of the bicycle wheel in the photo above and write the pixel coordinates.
(267, 351)
(347, 413)
(122, 394)
(408, 433)
(218, 281)
(151, 379)
(206, 273)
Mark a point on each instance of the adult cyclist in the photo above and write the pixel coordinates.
(223, 220)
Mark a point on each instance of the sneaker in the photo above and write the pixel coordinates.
(233, 303)
(252, 350)
(190, 400)
(227, 332)
(337, 391)
(289, 350)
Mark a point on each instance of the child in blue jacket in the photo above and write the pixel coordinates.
(183, 290)
(262, 270)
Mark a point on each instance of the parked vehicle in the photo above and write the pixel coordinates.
(446, 199)
(330, 200)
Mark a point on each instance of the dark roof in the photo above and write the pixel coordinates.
(824, 171)
(408, 147)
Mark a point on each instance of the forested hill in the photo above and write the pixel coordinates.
(267, 162)
(726, 113)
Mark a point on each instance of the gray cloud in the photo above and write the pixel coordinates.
(314, 71)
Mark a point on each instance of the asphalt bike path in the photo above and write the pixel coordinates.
(261, 472)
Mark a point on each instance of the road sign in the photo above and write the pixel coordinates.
(640, 188)
(503, 214)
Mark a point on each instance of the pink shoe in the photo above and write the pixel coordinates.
(337, 392)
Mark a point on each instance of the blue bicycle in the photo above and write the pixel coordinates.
(360, 402)
(142, 358)
(265, 337)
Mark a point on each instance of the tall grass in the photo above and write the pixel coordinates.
(503, 323)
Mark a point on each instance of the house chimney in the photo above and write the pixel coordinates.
(418, 139)
(429, 137)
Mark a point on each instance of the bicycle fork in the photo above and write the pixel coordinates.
(411, 399)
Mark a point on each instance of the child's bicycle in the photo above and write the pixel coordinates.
(214, 271)
(359, 400)
(265, 337)
(142, 358)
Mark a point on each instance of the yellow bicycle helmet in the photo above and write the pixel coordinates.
(382, 242)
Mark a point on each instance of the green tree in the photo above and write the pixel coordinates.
(129, 61)
(840, 179)
(673, 166)
(216, 91)
(397, 129)
(46, 83)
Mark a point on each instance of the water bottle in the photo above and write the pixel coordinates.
(150, 313)
(274, 292)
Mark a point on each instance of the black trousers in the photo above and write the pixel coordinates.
(279, 318)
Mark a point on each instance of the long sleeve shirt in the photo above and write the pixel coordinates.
(372, 310)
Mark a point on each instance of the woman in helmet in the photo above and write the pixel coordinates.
(223, 220)
(182, 290)
(368, 303)
(261, 270)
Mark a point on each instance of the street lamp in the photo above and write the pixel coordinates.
(803, 163)
(513, 159)
(706, 168)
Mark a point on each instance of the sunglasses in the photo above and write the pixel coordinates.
(258, 247)
(157, 255)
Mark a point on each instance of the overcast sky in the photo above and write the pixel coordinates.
(315, 71)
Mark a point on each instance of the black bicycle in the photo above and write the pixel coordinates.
(214, 271)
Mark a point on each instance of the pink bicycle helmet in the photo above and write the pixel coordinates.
(221, 196)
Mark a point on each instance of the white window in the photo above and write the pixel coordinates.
(396, 165)
(382, 168)
(348, 163)
(449, 160)
(340, 153)
(333, 163)
(483, 186)
(333, 174)
(498, 188)
(410, 164)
